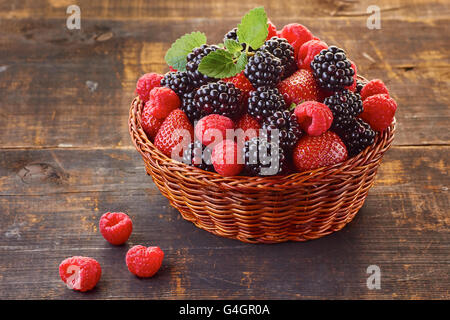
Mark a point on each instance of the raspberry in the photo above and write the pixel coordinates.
(146, 83)
(299, 87)
(176, 131)
(264, 69)
(289, 131)
(144, 262)
(249, 126)
(242, 83)
(262, 158)
(116, 227)
(307, 52)
(372, 88)
(264, 102)
(320, 151)
(161, 102)
(314, 117)
(282, 49)
(345, 106)
(149, 123)
(197, 155)
(379, 111)
(227, 158)
(219, 98)
(193, 61)
(178, 82)
(80, 273)
(189, 107)
(272, 30)
(332, 69)
(296, 34)
(213, 128)
(357, 136)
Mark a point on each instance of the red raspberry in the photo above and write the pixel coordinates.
(115, 227)
(307, 52)
(241, 82)
(146, 83)
(227, 158)
(213, 129)
(314, 117)
(296, 34)
(299, 87)
(249, 125)
(272, 30)
(373, 87)
(352, 88)
(379, 111)
(144, 262)
(149, 123)
(175, 133)
(162, 101)
(320, 151)
(80, 273)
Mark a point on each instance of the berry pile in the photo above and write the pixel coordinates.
(280, 94)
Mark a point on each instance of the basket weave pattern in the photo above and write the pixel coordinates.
(298, 207)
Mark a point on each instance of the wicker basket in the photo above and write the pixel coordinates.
(297, 207)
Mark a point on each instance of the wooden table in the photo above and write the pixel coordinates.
(66, 155)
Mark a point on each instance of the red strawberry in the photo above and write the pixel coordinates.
(373, 87)
(149, 123)
(315, 152)
(379, 111)
(249, 126)
(175, 133)
(299, 87)
(242, 83)
(307, 52)
(213, 129)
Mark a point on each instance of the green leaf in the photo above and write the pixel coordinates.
(253, 29)
(292, 106)
(220, 64)
(233, 46)
(176, 55)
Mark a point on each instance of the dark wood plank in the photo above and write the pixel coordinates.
(51, 201)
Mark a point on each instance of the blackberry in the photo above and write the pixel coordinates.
(178, 82)
(189, 107)
(263, 158)
(218, 98)
(359, 86)
(332, 69)
(283, 50)
(193, 60)
(264, 69)
(345, 106)
(289, 131)
(197, 155)
(356, 136)
(264, 102)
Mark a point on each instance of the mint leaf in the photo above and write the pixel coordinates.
(233, 46)
(220, 64)
(253, 29)
(176, 55)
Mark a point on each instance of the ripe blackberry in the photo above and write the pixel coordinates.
(356, 136)
(332, 69)
(264, 69)
(345, 106)
(189, 107)
(193, 60)
(289, 131)
(178, 82)
(262, 158)
(264, 102)
(283, 50)
(218, 98)
(197, 155)
(359, 86)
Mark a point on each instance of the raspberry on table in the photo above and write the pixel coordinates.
(116, 227)
(146, 83)
(264, 69)
(179, 82)
(213, 128)
(144, 262)
(161, 102)
(193, 61)
(283, 50)
(357, 136)
(264, 102)
(379, 111)
(373, 87)
(197, 155)
(314, 117)
(219, 98)
(227, 158)
(289, 131)
(80, 273)
(345, 106)
(332, 69)
(263, 158)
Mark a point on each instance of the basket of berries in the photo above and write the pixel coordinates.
(270, 136)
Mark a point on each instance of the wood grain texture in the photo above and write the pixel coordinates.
(66, 156)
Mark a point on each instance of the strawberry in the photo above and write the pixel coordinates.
(249, 126)
(175, 132)
(242, 83)
(299, 87)
(320, 151)
(149, 123)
